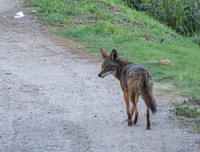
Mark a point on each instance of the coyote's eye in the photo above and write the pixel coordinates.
(107, 68)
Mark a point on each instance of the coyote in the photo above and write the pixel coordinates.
(135, 80)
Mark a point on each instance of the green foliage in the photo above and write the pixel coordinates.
(189, 114)
(182, 15)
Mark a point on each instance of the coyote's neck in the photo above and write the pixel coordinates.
(120, 67)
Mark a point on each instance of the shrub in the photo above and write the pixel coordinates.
(182, 15)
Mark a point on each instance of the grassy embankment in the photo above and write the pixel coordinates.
(111, 24)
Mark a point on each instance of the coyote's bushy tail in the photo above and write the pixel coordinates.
(145, 87)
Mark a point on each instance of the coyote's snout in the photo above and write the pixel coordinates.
(135, 80)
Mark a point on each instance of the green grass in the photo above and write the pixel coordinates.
(186, 111)
(189, 114)
(111, 24)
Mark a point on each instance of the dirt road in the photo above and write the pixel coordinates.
(51, 99)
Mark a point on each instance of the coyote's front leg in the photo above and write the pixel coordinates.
(126, 98)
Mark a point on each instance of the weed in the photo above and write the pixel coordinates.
(188, 114)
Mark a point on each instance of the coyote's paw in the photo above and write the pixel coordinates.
(148, 127)
(135, 121)
(130, 123)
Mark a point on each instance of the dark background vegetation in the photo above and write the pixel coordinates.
(181, 15)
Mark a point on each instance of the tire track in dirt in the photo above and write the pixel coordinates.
(53, 100)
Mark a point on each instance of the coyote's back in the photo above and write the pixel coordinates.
(140, 82)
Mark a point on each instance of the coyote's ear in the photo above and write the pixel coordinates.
(113, 55)
(104, 54)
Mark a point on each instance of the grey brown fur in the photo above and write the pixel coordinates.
(135, 80)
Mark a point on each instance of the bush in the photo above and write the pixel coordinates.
(181, 15)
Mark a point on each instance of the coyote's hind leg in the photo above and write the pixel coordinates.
(148, 119)
(134, 99)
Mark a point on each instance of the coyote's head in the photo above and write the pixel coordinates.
(109, 65)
